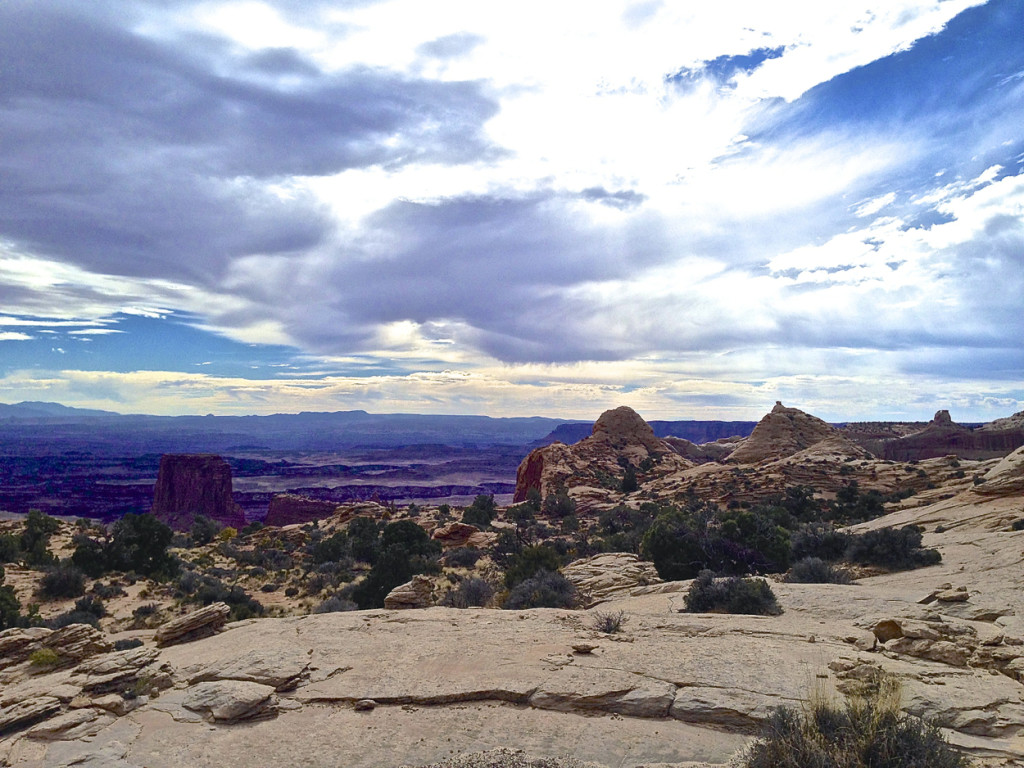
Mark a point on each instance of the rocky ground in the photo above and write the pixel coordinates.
(443, 685)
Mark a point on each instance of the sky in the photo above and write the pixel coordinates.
(514, 209)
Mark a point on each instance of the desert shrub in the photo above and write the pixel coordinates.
(107, 591)
(10, 607)
(629, 482)
(559, 504)
(821, 541)
(146, 609)
(35, 539)
(730, 595)
(481, 512)
(270, 588)
(471, 593)
(44, 658)
(291, 592)
(127, 644)
(208, 589)
(893, 548)
(851, 505)
(203, 530)
(336, 604)
(609, 623)
(405, 549)
(529, 562)
(814, 570)
(1018, 525)
(863, 733)
(462, 557)
(545, 589)
(364, 539)
(227, 533)
(333, 548)
(63, 580)
(137, 543)
(10, 548)
(622, 528)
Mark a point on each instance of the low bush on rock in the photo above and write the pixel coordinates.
(814, 570)
(609, 623)
(863, 733)
(462, 557)
(471, 593)
(731, 595)
(63, 580)
(894, 548)
(336, 604)
(545, 589)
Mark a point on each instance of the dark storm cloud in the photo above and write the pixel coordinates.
(142, 157)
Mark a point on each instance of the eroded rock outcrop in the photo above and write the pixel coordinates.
(193, 626)
(418, 593)
(783, 432)
(195, 484)
(602, 576)
(291, 509)
(942, 436)
(591, 470)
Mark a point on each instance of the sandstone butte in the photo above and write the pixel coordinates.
(411, 687)
(194, 484)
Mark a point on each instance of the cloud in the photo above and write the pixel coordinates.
(14, 336)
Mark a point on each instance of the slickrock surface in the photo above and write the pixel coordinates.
(194, 484)
(600, 577)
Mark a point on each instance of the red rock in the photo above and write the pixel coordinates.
(195, 484)
(289, 509)
(455, 534)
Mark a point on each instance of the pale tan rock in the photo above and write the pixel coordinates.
(281, 669)
(455, 534)
(601, 576)
(71, 725)
(202, 623)
(228, 701)
(417, 593)
(783, 432)
(27, 711)
(583, 688)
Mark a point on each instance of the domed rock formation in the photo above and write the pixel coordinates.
(781, 433)
(591, 470)
(190, 484)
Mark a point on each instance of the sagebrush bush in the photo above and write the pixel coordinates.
(471, 593)
(731, 595)
(814, 570)
(864, 733)
(63, 580)
(609, 623)
(545, 589)
(127, 644)
(336, 604)
(821, 541)
(462, 557)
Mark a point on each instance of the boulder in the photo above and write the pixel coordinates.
(194, 484)
(455, 534)
(281, 669)
(610, 573)
(418, 593)
(228, 701)
(193, 626)
(27, 712)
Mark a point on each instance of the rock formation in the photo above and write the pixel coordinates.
(192, 626)
(418, 593)
(290, 509)
(942, 437)
(195, 484)
(591, 470)
(783, 432)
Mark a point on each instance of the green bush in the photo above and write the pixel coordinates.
(814, 570)
(10, 606)
(529, 562)
(471, 593)
(462, 557)
(35, 538)
(559, 504)
(45, 658)
(203, 530)
(481, 512)
(730, 595)
(863, 733)
(63, 580)
(404, 550)
(893, 548)
(821, 541)
(10, 548)
(545, 589)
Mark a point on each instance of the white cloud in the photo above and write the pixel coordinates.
(14, 336)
